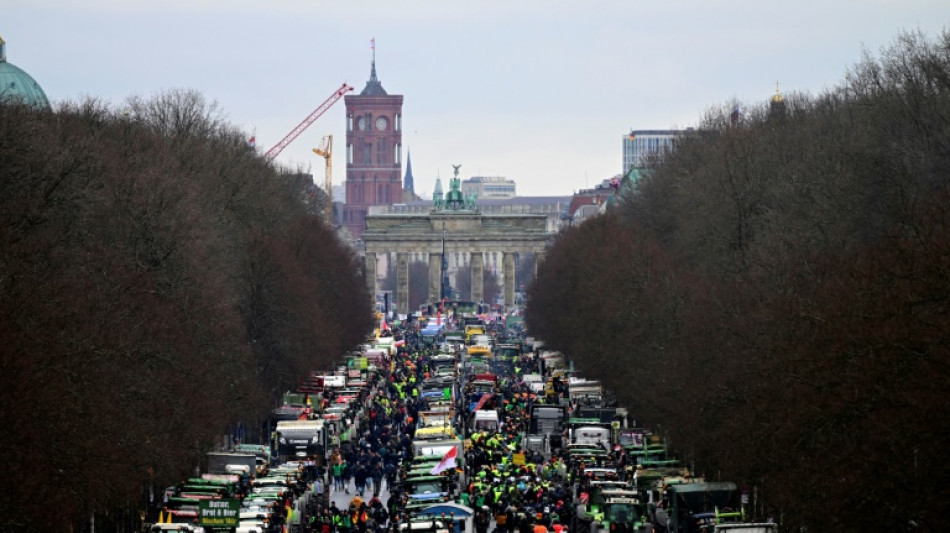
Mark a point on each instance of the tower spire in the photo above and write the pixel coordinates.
(373, 86)
(777, 106)
(777, 97)
(372, 74)
(408, 182)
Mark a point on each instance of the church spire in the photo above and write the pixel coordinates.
(407, 183)
(777, 106)
(438, 198)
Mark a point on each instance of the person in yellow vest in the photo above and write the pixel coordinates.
(497, 492)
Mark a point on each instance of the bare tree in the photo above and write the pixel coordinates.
(773, 293)
(159, 281)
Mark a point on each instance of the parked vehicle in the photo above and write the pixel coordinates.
(549, 421)
(485, 420)
(231, 463)
(301, 438)
(694, 506)
(590, 432)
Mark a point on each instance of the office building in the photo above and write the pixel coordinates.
(489, 187)
(641, 147)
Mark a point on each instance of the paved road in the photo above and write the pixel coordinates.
(342, 499)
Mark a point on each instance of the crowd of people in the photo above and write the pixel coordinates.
(510, 489)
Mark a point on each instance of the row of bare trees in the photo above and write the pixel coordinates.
(158, 280)
(775, 297)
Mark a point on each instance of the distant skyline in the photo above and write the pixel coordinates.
(538, 92)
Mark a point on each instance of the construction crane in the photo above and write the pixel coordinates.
(326, 152)
(289, 138)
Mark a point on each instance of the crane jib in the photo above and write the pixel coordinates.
(289, 138)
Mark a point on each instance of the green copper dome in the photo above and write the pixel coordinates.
(17, 85)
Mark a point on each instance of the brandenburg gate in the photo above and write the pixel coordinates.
(456, 224)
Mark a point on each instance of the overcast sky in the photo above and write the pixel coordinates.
(538, 91)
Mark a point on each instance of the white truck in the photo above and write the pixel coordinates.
(593, 435)
(301, 438)
(585, 392)
(535, 382)
(486, 420)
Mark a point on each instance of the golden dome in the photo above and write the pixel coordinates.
(777, 97)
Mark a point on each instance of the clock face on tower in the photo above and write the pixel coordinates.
(381, 123)
(361, 124)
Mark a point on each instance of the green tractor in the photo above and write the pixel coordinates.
(612, 510)
(621, 512)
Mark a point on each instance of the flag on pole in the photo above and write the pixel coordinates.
(252, 142)
(372, 43)
(447, 462)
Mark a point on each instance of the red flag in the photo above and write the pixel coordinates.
(252, 142)
(482, 401)
(372, 43)
(447, 462)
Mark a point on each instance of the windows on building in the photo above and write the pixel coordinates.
(381, 152)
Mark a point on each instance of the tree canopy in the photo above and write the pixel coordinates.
(773, 296)
(158, 279)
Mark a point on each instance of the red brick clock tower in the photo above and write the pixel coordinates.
(373, 152)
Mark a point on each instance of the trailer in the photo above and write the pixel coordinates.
(234, 463)
(546, 426)
(701, 506)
